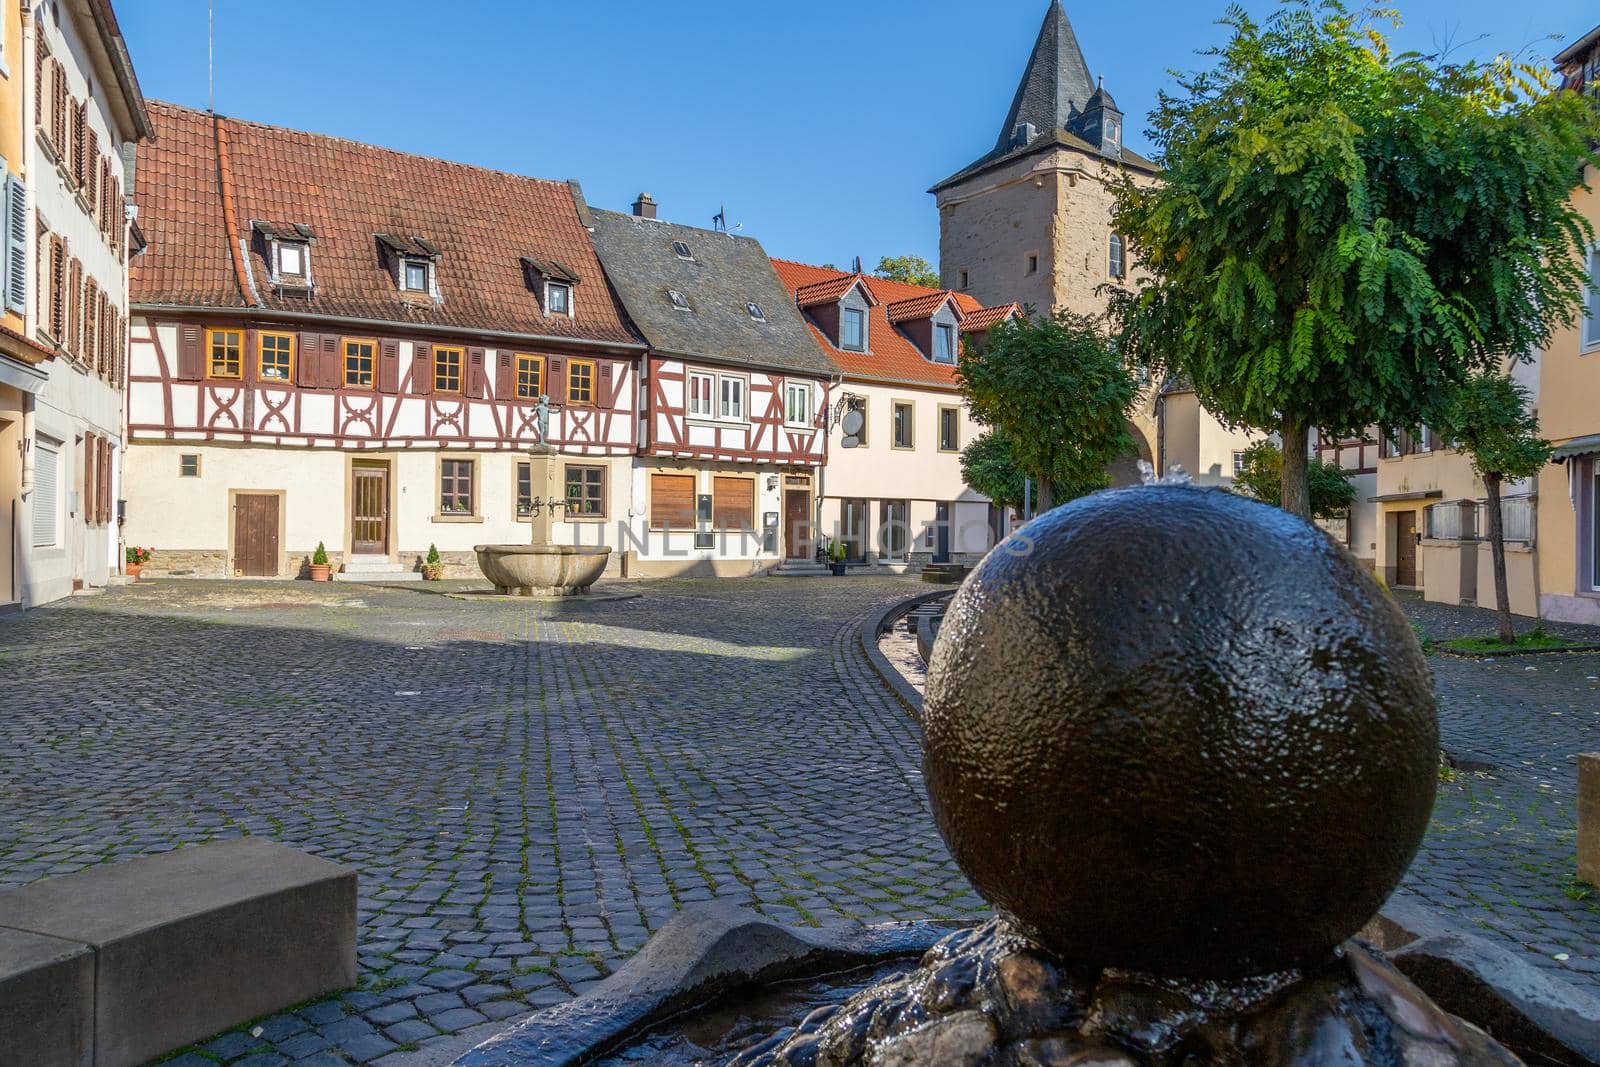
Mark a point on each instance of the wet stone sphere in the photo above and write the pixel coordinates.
(1173, 730)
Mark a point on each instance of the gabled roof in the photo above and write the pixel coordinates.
(922, 306)
(204, 180)
(893, 357)
(726, 272)
(830, 290)
(983, 318)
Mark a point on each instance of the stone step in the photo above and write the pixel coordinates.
(800, 570)
(399, 574)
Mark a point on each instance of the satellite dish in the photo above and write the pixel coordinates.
(849, 442)
(851, 424)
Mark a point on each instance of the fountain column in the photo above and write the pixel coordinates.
(542, 490)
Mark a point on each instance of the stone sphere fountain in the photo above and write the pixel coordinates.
(542, 567)
(1186, 747)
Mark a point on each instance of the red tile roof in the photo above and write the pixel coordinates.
(894, 358)
(482, 221)
(920, 307)
(984, 318)
(828, 290)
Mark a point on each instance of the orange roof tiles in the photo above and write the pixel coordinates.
(984, 318)
(894, 358)
(828, 290)
(920, 307)
(482, 221)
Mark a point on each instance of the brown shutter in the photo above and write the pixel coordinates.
(603, 391)
(505, 376)
(672, 501)
(90, 485)
(421, 369)
(306, 362)
(477, 380)
(91, 174)
(388, 366)
(191, 360)
(329, 373)
(106, 454)
(733, 503)
(556, 371)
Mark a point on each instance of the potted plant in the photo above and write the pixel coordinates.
(136, 559)
(836, 557)
(320, 571)
(433, 566)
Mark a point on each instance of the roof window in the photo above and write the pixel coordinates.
(681, 250)
(678, 300)
(755, 312)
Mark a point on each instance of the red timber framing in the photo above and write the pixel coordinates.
(173, 396)
(762, 437)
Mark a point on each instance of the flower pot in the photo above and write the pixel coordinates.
(133, 570)
(837, 568)
(321, 572)
(432, 572)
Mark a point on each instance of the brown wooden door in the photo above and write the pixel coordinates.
(797, 540)
(369, 510)
(1405, 548)
(255, 535)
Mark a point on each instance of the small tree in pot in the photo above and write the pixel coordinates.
(433, 566)
(320, 570)
(836, 556)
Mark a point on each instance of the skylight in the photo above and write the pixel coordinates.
(756, 312)
(682, 250)
(679, 301)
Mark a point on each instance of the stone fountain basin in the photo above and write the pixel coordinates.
(542, 570)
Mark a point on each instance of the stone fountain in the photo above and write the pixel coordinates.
(542, 567)
(1186, 747)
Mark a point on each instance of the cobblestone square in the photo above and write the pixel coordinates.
(529, 790)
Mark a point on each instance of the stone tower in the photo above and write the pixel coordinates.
(1030, 220)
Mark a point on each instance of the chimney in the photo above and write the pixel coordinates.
(644, 207)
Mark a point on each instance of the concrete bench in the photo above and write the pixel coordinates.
(117, 964)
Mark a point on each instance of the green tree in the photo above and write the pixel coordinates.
(911, 269)
(1488, 419)
(1343, 233)
(988, 467)
(1059, 393)
(1261, 476)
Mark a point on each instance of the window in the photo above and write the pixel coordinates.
(1031, 263)
(733, 503)
(277, 356)
(732, 397)
(530, 376)
(1113, 131)
(455, 486)
(701, 389)
(1115, 268)
(46, 491)
(358, 363)
(586, 491)
(1591, 324)
(291, 260)
(1424, 439)
(756, 312)
(853, 329)
(681, 250)
(678, 300)
(225, 347)
(188, 465)
(949, 429)
(903, 422)
(944, 343)
(1238, 464)
(672, 502)
(524, 490)
(557, 298)
(447, 370)
(580, 381)
(961, 279)
(1594, 527)
(797, 404)
(414, 275)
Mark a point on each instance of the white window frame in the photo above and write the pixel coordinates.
(793, 391)
(1117, 256)
(296, 248)
(725, 412)
(944, 329)
(709, 411)
(550, 287)
(673, 296)
(861, 346)
(406, 263)
(1591, 321)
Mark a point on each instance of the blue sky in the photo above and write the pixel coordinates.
(820, 125)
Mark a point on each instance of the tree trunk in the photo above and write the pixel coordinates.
(1047, 497)
(1296, 489)
(1497, 547)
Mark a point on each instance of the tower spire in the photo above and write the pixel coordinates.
(1056, 84)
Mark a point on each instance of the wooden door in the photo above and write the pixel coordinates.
(255, 535)
(797, 541)
(1405, 548)
(941, 532)
(369, 510)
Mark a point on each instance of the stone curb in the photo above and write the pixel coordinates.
(1461, 653)
(880, 623)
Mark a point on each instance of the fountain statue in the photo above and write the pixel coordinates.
(542, 567)
(1186, 747)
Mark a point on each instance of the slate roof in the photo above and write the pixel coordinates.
(894, 358)
(204, 183)
(726, 273)
(1055, 91)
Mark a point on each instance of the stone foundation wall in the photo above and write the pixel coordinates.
(188, 563)
(457, 564)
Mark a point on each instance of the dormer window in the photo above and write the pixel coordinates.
(853, 329)
(553, 281)
(678, 300)
(756, 312)
(287, 250)
(414, 274)
(1113, 131)
(291, 260)
(681, 250)
(558, 298)
(412, 259)
(944, 343)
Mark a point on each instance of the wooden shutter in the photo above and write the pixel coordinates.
(40, 55)
(91, 484)
(733, 503)
(421, 369)
(74, 339)
(191, 358)
(107, 453)
(306, 366)
(80, 129)
(604, 396)
(330, 375)
(505, 376)
(477, 382)
(388, 366)
(91, 174)
(58, 111)
(555, 384)
(672, 501)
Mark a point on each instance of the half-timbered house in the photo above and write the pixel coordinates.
(341, 344)
(727, 477)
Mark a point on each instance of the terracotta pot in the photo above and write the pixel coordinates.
(132, 570)
(321, 572)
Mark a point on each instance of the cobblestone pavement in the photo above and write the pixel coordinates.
(528, 790)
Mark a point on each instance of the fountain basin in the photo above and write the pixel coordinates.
(542, 570)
